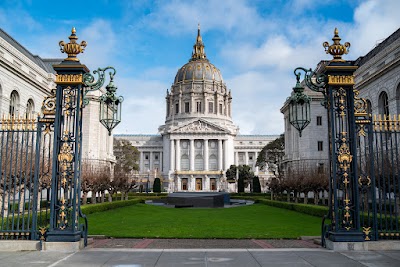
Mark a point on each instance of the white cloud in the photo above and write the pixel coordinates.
(175, 17)
(374, 21)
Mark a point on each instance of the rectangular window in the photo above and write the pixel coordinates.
(187, 107)
(210, 107)
(319, 120)
(320, 146)
(220, 108)
(176, 108)
(198, 105)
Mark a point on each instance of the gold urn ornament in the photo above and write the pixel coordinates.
(72, 48)
(336, 49)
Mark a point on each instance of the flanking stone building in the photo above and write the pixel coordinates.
(199, 140)
(378, 81)
(25, 79)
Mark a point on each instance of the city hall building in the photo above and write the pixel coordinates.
(199, 140)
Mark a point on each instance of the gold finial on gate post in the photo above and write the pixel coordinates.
(72, 48)
(336, 49)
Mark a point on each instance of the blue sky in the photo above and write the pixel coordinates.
(256, 44)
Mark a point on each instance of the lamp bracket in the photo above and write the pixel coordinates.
(314, 80)
(93, 84)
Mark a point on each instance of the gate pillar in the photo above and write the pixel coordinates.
(343, 157)
(65, 184)
(339, 93)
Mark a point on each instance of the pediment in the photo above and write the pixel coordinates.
(200, 126)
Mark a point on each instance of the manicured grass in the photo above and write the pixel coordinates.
(255, 221)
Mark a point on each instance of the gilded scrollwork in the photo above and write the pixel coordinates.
(49, 104)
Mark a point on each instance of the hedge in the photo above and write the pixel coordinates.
(92, 208)
(312, 210)
(99, 207)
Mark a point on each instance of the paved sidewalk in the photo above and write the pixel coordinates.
(201, 243)
(200, 257)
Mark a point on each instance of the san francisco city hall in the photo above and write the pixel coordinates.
(199, 140)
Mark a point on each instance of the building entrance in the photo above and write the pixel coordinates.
(199, 184)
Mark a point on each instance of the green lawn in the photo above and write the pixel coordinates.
(255, 221)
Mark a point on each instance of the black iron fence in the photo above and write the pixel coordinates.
(25, 179)
(379, 177)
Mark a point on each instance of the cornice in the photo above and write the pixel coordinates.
(23, 75)
(29, 63)
(373, 76)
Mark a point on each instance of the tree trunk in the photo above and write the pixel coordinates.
(21, 202)
(306, 198)
(84, 198)
(288, 196)
(102, 197)
(316, 197)
(93, 197)
(126, 196)
(122, 195)
(5, 205)
(323, 198)
(109, 197)
(296, 197)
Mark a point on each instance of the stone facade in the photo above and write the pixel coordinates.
(198, 141)
(310, 151)
(25, 80)
(378, 81)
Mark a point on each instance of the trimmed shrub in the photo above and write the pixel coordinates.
(157, 185)
(240, 185)
(256, 185)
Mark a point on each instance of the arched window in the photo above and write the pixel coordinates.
(212, 163)
(185, 162)
(198, 163)
(383, 104)
(14, 102)
(30, 107)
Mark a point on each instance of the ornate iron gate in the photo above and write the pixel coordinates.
(25, 179)
(379, 176)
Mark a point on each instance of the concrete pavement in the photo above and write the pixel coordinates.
(200, 257)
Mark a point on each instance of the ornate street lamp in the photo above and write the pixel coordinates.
(110, 103)
(299, 102)
(299, 107)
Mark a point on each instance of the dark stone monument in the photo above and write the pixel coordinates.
(197, 199)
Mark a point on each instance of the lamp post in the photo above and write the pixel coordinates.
(335, 79)
(148, 179)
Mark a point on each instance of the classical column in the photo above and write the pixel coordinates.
(151, 161)
(180, 102)
(206, 154)
(178, 155)
(191, 154)
(141, 162)
(219, 154)
(226, 151)
(161, 162)
(256, 167)
(236, 158)
(172, 155)
(246, 158)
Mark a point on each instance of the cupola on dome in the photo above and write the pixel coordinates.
(198, 68)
